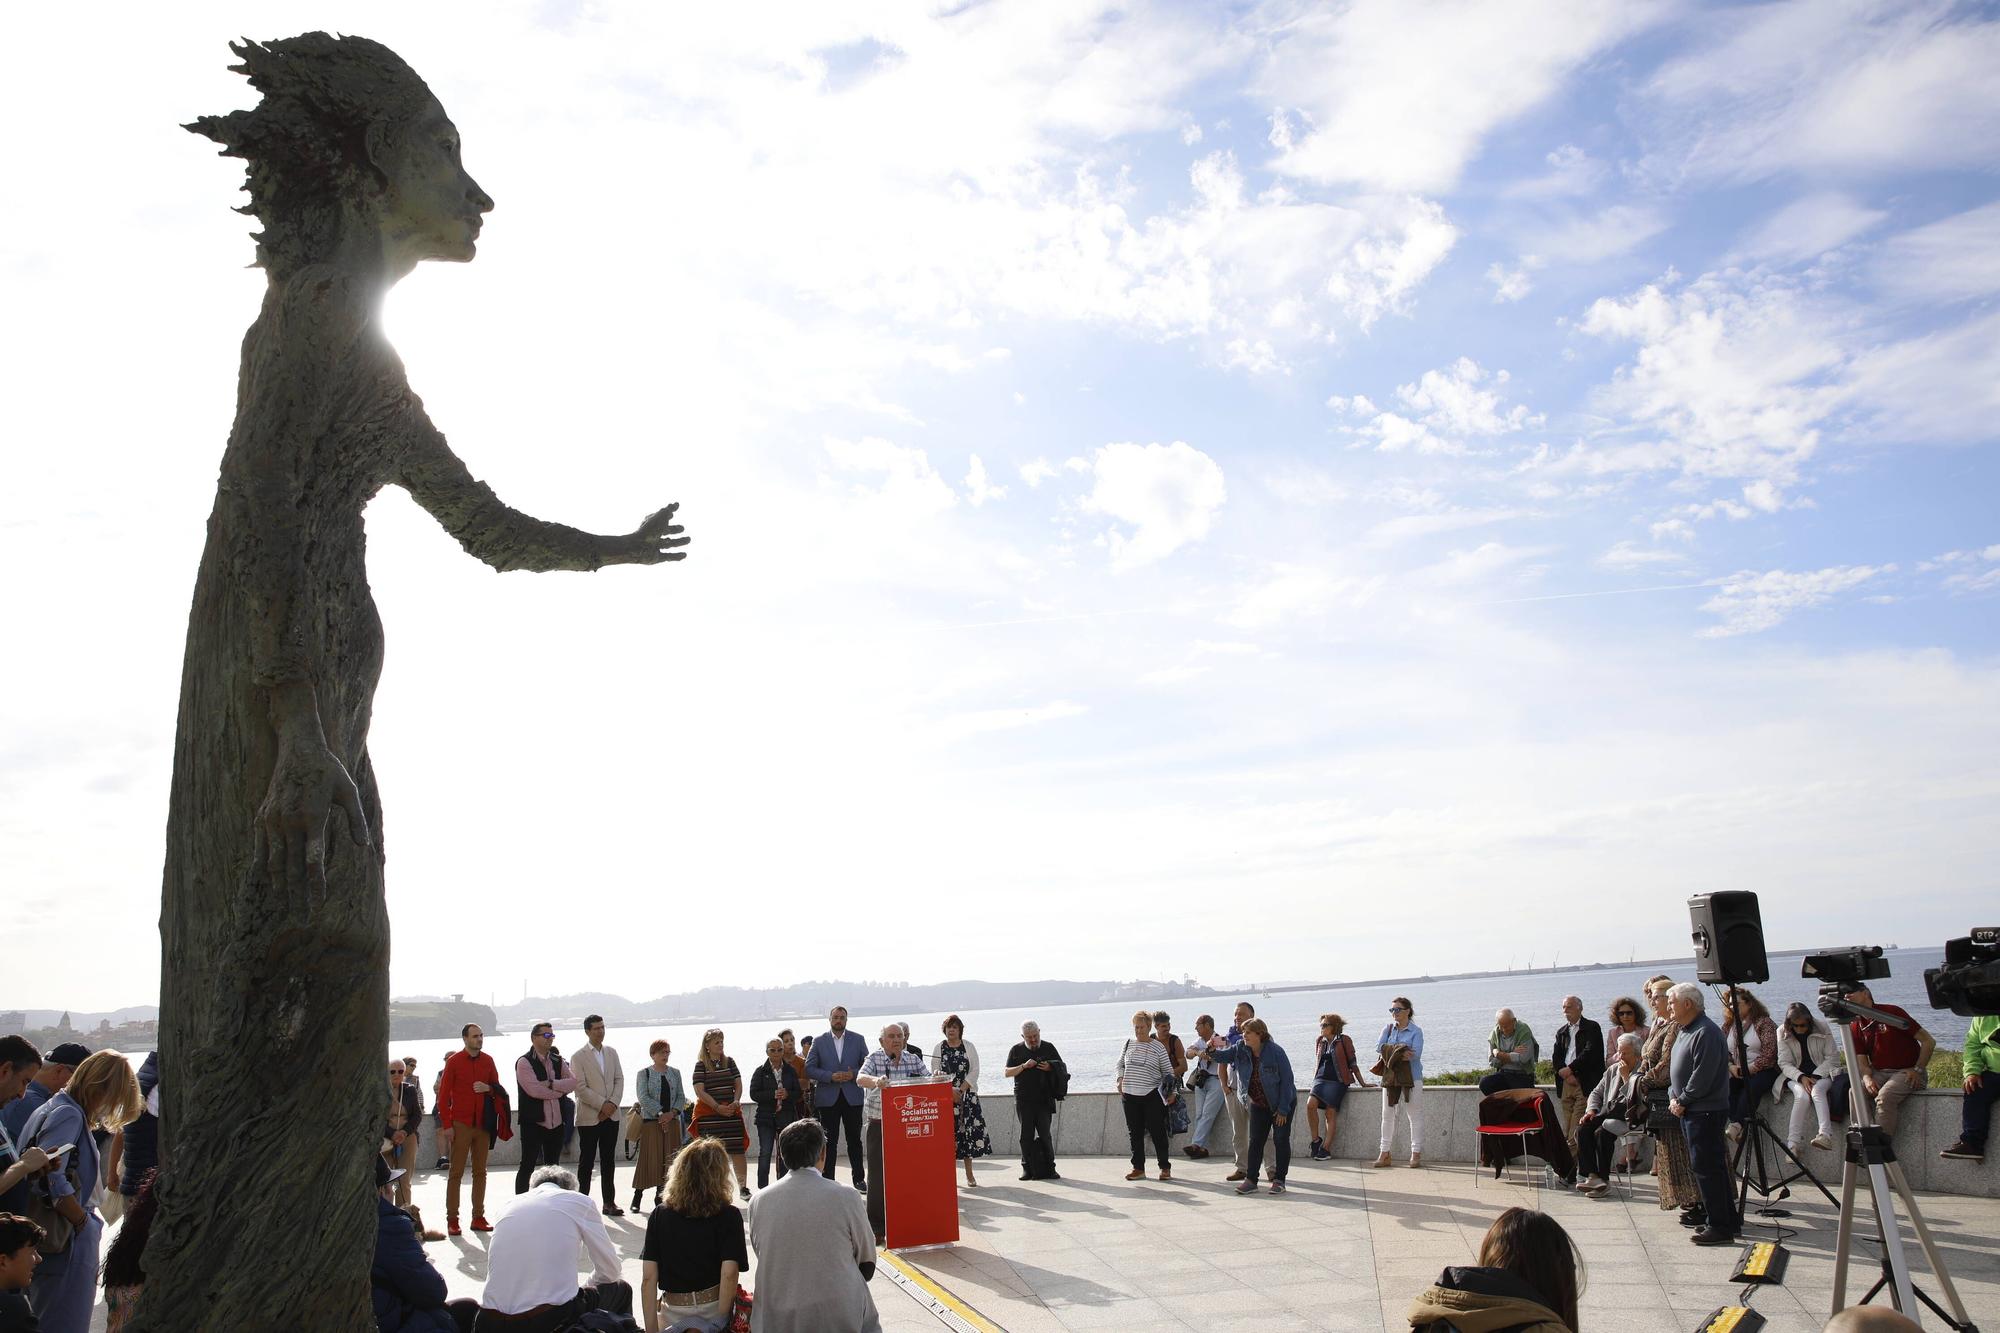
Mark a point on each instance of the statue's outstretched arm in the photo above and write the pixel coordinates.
(509, 539)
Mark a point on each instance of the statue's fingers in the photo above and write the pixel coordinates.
(349, 796)
(675, 541)
(665, 556)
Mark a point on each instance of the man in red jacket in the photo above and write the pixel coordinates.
(469, 1079)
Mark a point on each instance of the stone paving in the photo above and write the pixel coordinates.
(1345, 1248)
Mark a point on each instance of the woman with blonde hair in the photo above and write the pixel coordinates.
(103, 1093)
(695, 1252)
(718, 1106)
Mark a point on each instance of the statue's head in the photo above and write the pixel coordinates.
(347, 137)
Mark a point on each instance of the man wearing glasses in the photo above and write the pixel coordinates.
(544, 1080)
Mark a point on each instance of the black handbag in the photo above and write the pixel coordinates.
(1058, 1080)
(1660, 1118)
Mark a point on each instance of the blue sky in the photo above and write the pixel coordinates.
(1234, 488)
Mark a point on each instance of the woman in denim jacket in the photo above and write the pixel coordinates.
(1264, 1073)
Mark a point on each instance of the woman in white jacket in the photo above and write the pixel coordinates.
(1807, 1062)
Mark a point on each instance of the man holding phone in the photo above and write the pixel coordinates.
(19, 1063)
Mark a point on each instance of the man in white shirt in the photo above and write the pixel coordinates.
(531, 1285)
(601, 1088)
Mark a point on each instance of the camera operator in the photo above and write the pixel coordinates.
(1892, 1060)
(1982, 1089)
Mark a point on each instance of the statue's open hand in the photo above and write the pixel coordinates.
(291, 823)
(657, 539)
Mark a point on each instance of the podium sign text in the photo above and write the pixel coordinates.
(919, 1165)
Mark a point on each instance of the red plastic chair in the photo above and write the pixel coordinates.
(1520, 1131)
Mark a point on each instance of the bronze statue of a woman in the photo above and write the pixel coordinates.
(275, 938)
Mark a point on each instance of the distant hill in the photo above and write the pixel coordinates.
(814, 998)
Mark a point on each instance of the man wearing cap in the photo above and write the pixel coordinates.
(57, 1066)
(407, 1292)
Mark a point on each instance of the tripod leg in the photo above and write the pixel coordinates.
(1931, 1256)
(1892, 1239)
(1844, 1242)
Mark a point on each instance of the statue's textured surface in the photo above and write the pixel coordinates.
(274, 932)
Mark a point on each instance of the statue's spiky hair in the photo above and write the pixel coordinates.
(306, 140)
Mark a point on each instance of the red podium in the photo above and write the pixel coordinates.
(919, 1164)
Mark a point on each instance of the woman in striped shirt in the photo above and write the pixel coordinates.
(1144, 1069)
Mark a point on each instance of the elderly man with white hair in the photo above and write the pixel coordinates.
(1698, 1086)
(1579, 1063)
(531, 1284)
(1032, 1064)
(892, 1061)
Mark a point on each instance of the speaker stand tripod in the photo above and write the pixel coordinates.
(1870, 1150)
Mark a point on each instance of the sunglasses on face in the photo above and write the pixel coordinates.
(1397, 1009)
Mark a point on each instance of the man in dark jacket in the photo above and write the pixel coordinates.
(1698, 1085)
(1579, 1064)
(142, 1136)
(409, 1294)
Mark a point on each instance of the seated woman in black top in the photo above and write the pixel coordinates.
(695, 1250)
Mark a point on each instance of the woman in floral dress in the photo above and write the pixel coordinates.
(959, 1060)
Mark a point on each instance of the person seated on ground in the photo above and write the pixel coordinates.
(694, 1255)
(20, 1251)
(408, 1293)
(1982, 1089)
(813, 1243)
(1526, 1282)
(1871, 1319)
(531, 1264)
(124, 1275)
(1512, 1051)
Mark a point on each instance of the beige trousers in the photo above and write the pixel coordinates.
(467, 1141)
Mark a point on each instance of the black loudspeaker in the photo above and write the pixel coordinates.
(1728, 937)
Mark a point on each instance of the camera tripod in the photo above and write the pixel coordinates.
(1870, 1149)
(1750, 1167)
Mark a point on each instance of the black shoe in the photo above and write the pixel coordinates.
(1713, 1236)
(1694, 1217)
(1025, 1175)
(1964, 1152)
(637, 1199)
(443, 1164)
(613, 1210)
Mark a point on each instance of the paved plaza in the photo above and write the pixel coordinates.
(1346, 1248)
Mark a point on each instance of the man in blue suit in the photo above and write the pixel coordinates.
(836, 1058)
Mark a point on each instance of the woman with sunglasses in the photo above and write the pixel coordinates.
(1335, 1068)
(1807, 1059)
(1395, 1065)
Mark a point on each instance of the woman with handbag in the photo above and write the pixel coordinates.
(1335, 1068)
(661, 1101)
(1145, 1076)
(1402, 1032)
(1607, 1115)
(1670, 1158)
(103, 1093)
(695, 1253)
(958, 1059)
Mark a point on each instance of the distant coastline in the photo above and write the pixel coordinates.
(425, 1017)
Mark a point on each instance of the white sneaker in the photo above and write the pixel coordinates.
(1595, 1183)
(1735, 1131)
(1822, 1140)
(1792, 1147)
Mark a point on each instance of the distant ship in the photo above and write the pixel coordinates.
(417, 1019)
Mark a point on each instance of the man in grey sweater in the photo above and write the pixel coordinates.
(814, 1244)
(1698, 1084)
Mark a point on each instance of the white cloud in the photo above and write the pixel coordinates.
(1735, 372)
(1750, 602)
(1167, 495)
(982, 722)
(1401, 98)
(1290, 592)
(1627, 555)
(1480, 564)
(908, 483)
(1967, 572)
(1605, 234)
(1441, 411)
(978, 489)
(1808, 227)
(1511, 284)
(1955, 259)
(1942, 386)
(1888, 86)
(1036, 471)
(1571, 172)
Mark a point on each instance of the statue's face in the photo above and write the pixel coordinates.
(432, 208)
